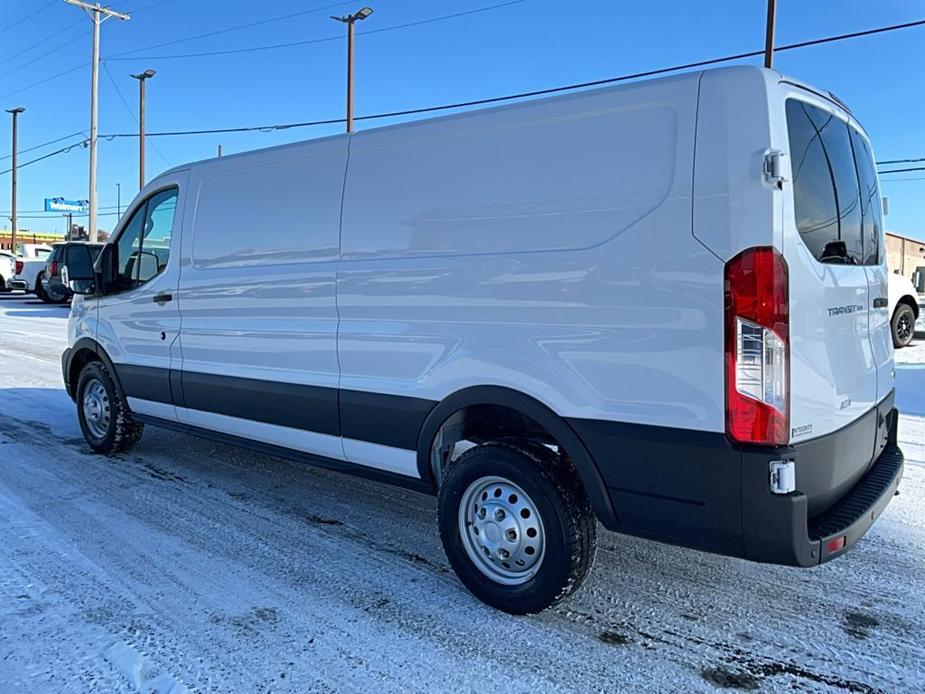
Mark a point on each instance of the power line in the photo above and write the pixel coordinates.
(45, 81)
(537, 92)
(41, 42)
(43, 55)
(229, 29)
(130, 111)
(339, 37)
(44, 144)
(63, 150)
(911, 168)
(900, 161)
(28, 16)
(510, 97)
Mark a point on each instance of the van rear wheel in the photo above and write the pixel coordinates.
(103, 413)
(516, 526)
(903, 325)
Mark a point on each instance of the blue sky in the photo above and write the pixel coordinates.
(520, 46)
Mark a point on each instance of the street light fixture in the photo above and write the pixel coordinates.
(15, 113)
(350, 20)
(142, 78)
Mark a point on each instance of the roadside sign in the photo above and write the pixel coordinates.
(62, 205)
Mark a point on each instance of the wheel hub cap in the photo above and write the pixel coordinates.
(96, 409)
(501, 530)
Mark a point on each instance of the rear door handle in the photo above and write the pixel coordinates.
(880, 302)
(162, 298)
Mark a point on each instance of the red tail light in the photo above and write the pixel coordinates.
(757, 348)
(53, 268)
(19, 266)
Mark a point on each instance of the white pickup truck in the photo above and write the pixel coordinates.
(7, 268)
(30, 264)
(904, 309)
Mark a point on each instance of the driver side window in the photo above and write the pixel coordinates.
(144, 245)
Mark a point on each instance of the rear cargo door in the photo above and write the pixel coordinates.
(881, 336)
(833, 365)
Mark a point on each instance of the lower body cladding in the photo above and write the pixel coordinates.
(698, 490)
(689, 488)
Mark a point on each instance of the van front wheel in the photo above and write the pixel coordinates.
(903, 325)
(104, 418)
(516, 526)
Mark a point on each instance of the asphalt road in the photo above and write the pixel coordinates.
(192, 565)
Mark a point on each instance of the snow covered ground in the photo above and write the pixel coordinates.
(191, 565)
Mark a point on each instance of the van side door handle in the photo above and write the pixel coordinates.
(162, 298)
(880, 302)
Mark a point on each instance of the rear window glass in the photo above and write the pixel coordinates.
(829, 162)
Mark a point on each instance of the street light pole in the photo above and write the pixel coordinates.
(769, 34)
(350, 20)
(15, 112)
(142, 78)
(98, 15)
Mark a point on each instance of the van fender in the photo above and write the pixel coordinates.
(67, 361)
(587, 469)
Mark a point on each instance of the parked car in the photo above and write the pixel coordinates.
(78, 255)
(904, 309)
(542, 313)
(7, 269)
(30, 267)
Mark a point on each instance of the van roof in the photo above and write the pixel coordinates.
(768, 75)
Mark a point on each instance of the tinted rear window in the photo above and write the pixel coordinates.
(831, 167)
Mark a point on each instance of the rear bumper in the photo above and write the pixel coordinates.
(778, 529)
(698, 490)
(20, 284)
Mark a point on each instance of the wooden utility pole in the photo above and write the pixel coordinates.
(142, 78)
(350, 20)
(98, 15)
(769, 35)
(15, 172)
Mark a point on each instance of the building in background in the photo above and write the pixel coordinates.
(906, 256)
(26, 236)
(78, 233)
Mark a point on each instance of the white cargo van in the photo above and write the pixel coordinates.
(662, 305)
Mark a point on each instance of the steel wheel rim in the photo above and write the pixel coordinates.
(904, 327)
(96, 409)
(501, 530)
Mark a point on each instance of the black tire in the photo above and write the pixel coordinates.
(553, 489)
(39, 290)
(903, 325)
(120, 432)
(62, 298)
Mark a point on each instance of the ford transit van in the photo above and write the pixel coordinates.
(661, 306)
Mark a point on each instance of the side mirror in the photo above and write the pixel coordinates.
(77, 273)
(105, 269)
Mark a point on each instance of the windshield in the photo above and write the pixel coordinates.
(836, 200)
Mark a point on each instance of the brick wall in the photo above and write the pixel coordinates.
(904, 254)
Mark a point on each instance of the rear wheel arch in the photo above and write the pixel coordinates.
(441, 419)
